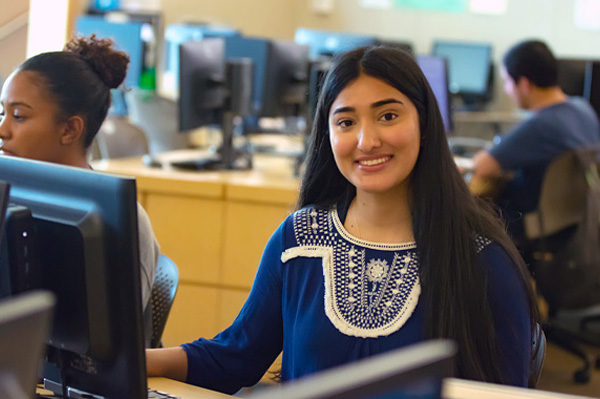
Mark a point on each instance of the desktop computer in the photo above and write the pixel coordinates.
(24, 325)
(471, 71)
(232, 82)
(81, 228)
(572, 75)
(580, 77)
(175, 36)
(325, 43)
(414, 372)
(4, 190)
(435, 70)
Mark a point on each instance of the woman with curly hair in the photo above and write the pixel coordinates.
(53, 105)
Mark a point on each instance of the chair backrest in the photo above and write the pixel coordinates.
(158, 116)
(563, 194)
(564, 232)
(119, 138)
(162, 297)
(538, 354)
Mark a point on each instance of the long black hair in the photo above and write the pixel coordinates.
(79, 79)
(446, 218)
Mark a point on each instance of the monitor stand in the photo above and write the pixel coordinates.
(228, 157)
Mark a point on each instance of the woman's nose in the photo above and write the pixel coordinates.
(368, 138)
(3, 130)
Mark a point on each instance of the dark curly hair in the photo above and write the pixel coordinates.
(80, 77)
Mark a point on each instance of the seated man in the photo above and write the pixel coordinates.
(559, 123)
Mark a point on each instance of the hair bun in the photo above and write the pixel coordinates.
(109, 63)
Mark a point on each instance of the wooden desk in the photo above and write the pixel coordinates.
(484, 187)
(214, 226)
(453, 389)
(183, 390)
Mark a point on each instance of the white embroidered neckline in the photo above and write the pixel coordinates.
(364, 243)
(371, 289)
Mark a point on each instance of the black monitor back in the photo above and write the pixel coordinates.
(4, 190)
(414, 372)
(24, 324)
(286, 83)
(580, 77)
(572, 76)
(280, 74)
(84, 233)
(593, 85)
(202, 79)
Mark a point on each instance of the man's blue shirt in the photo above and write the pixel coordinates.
(533, 145)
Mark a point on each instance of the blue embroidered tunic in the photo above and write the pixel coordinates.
(327, 298)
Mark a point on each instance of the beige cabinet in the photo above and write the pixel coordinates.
(214, 226)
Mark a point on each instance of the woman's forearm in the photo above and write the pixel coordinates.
(167, 362)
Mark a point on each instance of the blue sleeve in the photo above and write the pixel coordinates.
(240, 355)
(511, 313)
(531, 143)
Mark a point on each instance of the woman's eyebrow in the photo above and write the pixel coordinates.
(343, 109)
(374, 105)
(385, 102)
(20, 104)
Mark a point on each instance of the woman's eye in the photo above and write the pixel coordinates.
(389, 116)
(345, 123)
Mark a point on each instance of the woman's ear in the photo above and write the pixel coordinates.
(73, 130)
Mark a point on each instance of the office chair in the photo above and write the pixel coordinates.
(119, 138)
(157, 116)
(163, 293)
(538, 354)
(563, 250)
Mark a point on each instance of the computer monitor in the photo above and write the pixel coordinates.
(24, 326)
(317, 71)
(280, 74)
(257, 50)
(84, 236)
(4, 190)
(325, 43)
(214, 91)
(470, 68)
(202, 80)
(572, 76)
(592, 92)
(435, 70)
(414, 372)
(286, 80)
(105, 5)
(580, 77)
(127, 37)
(177, 34)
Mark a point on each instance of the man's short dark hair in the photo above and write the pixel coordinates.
(533, 60)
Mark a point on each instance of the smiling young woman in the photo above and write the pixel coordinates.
(387, 248)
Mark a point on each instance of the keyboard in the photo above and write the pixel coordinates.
(199, 164)
(154, 394)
